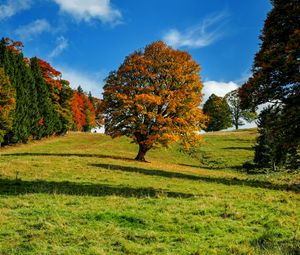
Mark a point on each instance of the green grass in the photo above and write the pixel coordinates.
(83, 194)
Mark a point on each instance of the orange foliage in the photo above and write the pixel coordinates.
(51, 76)
(15, 46)
(154, 98)
(83, 111)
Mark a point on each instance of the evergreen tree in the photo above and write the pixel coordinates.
(80, 90)
(66, 118)
(218, 112)
(27, 113)
(47, 114)
(25, 116)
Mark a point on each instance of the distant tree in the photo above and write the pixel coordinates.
(77, 106)
(80, 90)
(65, 98)
(238, 114)
(154, 98)
(83, 111)
(218, 112)
(7, 104)
(90, 115)
(276, 79)
(60, 94)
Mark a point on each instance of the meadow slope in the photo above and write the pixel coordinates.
(83, 194)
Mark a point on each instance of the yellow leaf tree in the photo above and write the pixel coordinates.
(154, 99)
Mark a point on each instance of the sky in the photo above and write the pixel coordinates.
(86, 39)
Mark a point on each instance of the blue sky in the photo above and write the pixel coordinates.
(85, 39)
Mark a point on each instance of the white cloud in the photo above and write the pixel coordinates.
(62, 44)
(204, 34)
(90, 9)
(88, 81)
(32, 29)
(218, 88)
(12, 7)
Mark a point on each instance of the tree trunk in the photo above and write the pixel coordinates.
(236, 126)
(142, 152)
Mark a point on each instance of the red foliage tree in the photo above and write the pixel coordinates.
(51, 76)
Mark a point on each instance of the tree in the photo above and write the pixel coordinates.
(154, 98)
(276, 79)
(7, 104)
(26, 112)
(60, 94)
(218, 112)
(238, 114)
(77, 106)
(275, 70)
(48, 117)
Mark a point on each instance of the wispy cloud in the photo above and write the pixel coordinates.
(88, 10)
(88, 81)
(12, 7)
(218, 88)
(62, 44)
(32, 29)
(199, 36)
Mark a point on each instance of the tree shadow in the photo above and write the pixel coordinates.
(214, 167)
(210, 179)
(69, 155)
(238, 148)
(20, 187)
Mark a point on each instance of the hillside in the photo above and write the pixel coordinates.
(83, 194)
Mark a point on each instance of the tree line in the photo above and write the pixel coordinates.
(35, 101)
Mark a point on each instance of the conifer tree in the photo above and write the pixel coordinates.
(47, 114)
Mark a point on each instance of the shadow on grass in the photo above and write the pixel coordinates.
(214, 167)
(210, 179)
(19, 187)
(68, 155)
(238, 148)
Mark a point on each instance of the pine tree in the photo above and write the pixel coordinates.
(47, 114)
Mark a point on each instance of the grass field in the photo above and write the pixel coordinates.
(83, 194)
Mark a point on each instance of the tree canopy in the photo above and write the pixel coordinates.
(276, 79)
(238, 114)
(154, 98)
(276, 75)
(218, 112)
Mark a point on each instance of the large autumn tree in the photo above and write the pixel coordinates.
(154, 98)
(276, 79)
